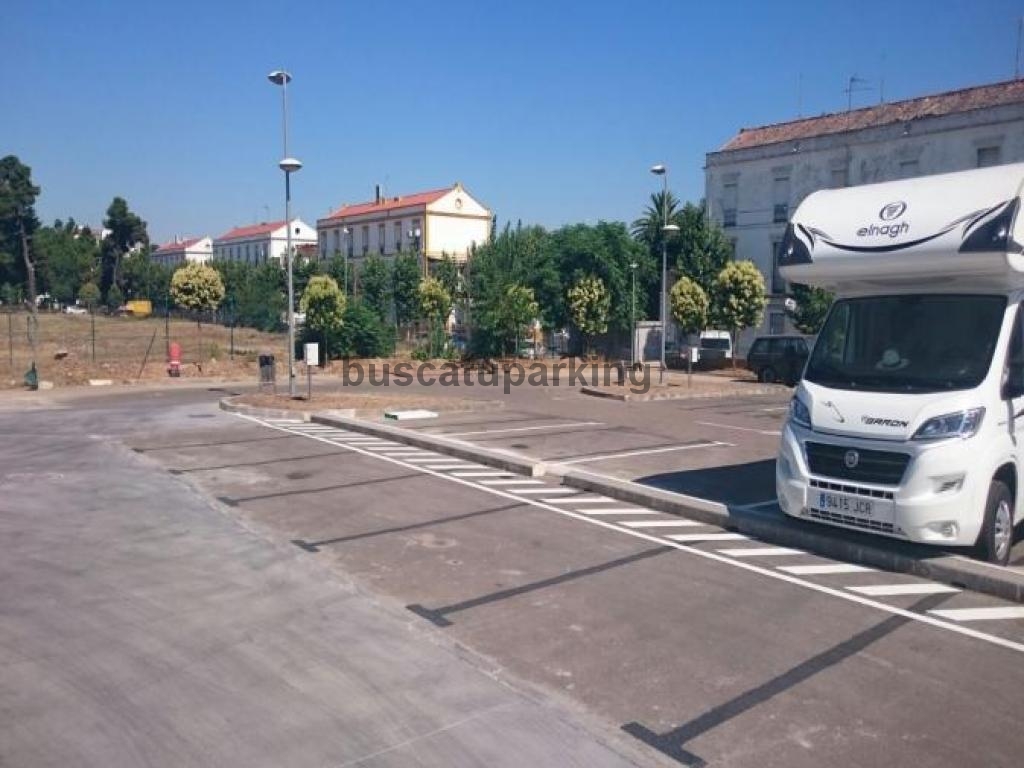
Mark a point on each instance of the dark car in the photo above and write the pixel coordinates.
(778, 358)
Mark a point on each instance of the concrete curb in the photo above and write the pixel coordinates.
(683, 394)
(848, 546)
(504, 460)
(228, 404)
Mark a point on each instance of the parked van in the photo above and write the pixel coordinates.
(909, 415)
(714, 345)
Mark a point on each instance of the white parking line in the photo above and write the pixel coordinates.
(563, 425)
(554, 490)
(511, 482)
(751, 568)
(647, 451)
(773, 432)
(660, 523)
(481, 474)
(445, 467)
(620, 511)
(586, 500)
(892, 590)
(761, 552)
(980, 614)
(404, 454)
(424, 458)
(696, 537)
(822, 570)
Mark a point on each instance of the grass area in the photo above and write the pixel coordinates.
(65, 348)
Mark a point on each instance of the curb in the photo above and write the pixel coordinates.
(684, 394)
(850, 546)
(862, 549)
(228, 404)
(504, 460)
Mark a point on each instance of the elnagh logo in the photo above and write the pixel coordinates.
(892, 211)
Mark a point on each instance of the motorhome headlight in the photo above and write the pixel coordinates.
(799, 413)
(959, 424)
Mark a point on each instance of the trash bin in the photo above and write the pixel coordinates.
(267, 371)
(32, 378)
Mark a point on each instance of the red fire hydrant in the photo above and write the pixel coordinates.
(174, 360)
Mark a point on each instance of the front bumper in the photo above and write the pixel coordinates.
(937, 501)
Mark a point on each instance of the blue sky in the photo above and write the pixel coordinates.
(549, 112)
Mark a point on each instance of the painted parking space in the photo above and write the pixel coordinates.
(878, 590)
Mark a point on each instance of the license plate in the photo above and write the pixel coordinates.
(847, 505)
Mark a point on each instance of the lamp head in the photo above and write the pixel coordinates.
(290, 165)
(279, 77)
(658, 170)
(668, 229)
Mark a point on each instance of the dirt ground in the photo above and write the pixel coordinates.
(125, 349)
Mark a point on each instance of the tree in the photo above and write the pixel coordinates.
(324, 305)
(127, 232)
(515, 310)
(196, 287)
(18, 222)
(363, 333)
(447, 272)
(702, 247)
(115, 299)
(337, 267)
(812, 305)
(405, 281)
(66, 259)
(89, 294)
(375, 280)
(589, 305)
(435, 305)
(738, 298)
(648, 228)
(689, 305)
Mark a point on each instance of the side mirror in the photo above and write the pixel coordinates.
(1013, 387)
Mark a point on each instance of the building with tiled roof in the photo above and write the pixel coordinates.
(259, 243)
(759, 176)
(430, 224)
(181, 250)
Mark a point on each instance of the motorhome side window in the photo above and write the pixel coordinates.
(909, 343)
(1015, 356)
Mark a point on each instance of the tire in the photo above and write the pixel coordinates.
(996, 538)
(767, 375)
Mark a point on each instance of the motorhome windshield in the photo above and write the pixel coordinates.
(915, 343)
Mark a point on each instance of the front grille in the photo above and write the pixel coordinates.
(881, 467)
(853, 522)
(870, 493)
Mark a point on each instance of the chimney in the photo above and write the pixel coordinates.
(377, 197)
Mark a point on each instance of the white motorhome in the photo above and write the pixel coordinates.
(907, 420)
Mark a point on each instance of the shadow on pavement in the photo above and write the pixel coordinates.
(734, 484)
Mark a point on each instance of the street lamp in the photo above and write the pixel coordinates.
(632, 318)
(666, 230)
(414, 235)
(289, 165)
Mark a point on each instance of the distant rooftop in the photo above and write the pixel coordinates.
(934, 105)
(253, 230)
(390, 203)
(178, 245)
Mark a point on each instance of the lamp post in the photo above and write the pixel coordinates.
(632, 318)
(666, 230)
(347, 234)
(289, 165)
(414, 235)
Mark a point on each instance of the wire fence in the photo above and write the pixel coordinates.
(79, 346)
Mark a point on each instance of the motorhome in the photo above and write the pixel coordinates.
(907, 420)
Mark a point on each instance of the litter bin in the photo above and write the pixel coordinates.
(268, 376)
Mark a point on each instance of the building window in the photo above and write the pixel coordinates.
(778, 284)
(908, 169)
(838, 178)
(366, 240)
(780, 199)
(398, 237)
(337, 241)
(380, 239)
(776, 323)
(730, 196)
(988, 156)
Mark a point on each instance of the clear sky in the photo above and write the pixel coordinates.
(549, 112)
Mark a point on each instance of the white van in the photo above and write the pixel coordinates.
(907, 420)
(715, 345)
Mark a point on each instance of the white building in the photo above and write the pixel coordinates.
(757, 179)
(182, 250)
(431, 224)
(259, 243)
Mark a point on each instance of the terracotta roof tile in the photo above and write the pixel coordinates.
(389, 203)
(934, 105)
(178, 246)
(253, 230)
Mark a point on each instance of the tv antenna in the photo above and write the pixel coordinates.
(854, 84)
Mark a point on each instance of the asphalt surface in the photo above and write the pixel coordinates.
(638, 636)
